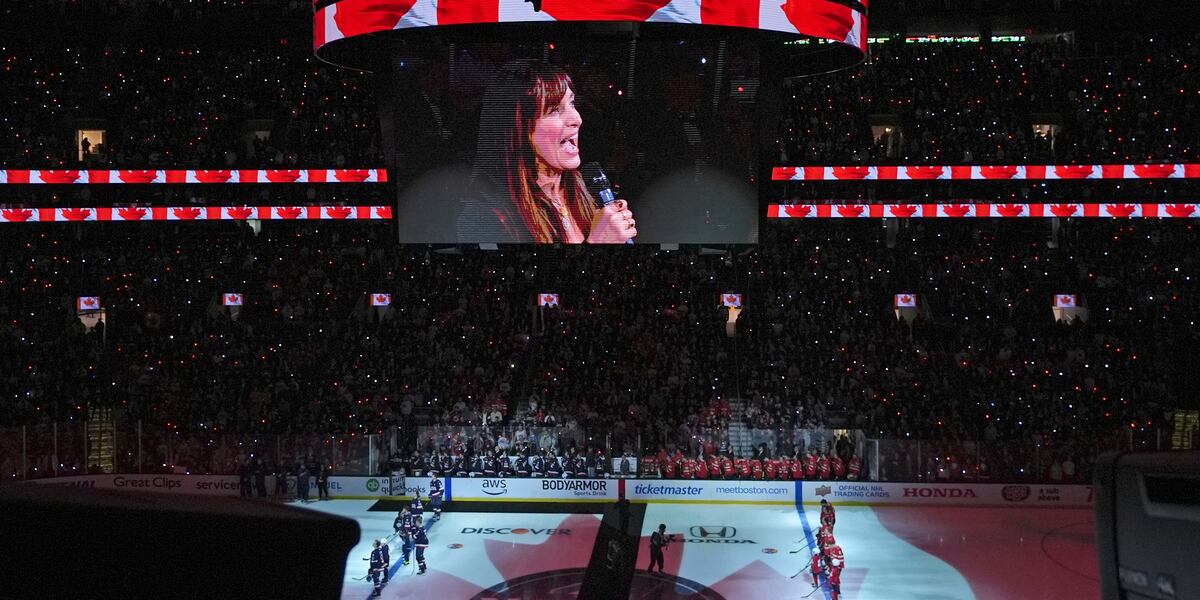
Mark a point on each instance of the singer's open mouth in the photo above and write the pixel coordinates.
(571, 144)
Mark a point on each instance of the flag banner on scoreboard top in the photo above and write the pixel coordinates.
(88, 303)
(836, 20)
(194, 213)
(1065, 301)
(904, 300)
(177, 176)
(986, 173)
(965, 209)
(231, 299)
(956, 210)
(547, 299)
(731, 300)
(381, 299)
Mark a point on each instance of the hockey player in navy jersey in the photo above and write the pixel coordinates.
(376, 566)
(420, 542)
(435, 496)
(403, 525)
(387, 560)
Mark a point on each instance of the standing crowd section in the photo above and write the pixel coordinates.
(635, 365)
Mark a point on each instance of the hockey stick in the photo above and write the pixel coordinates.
(813, 591)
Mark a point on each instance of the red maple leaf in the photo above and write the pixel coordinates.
(820, 19)
(283, 176)
(384, 212)
(213, 176)
(608, 10)
(956, 210)
(17, 215)
(785, 173)
(241, 212)
(1063, 210)
(89, 302)
(76, 214)
(1010, 210)
(797, 210)
(902, 210)
(850, 211)
(186, 214)
(998, 172)
(1154, 171)
(352, 176)
(137, 176)
(289, 212)
(132, 213)
(1073, 171)
(1120, 210)
(338, 212)
(369, 16)
(731, 299)
(851, 172)
(58, 177)
(380, 298)
(906, 299)
(924, 172)
(232, 298)
(1180, 210)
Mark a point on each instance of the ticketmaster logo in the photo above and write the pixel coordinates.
(667, 490)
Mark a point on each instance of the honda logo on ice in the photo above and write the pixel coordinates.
(713, 531)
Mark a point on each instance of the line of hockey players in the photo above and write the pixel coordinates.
(410, 527)
(828, 558)
(518, 462)
(812, 465)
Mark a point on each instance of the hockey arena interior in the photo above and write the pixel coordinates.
(600, 299)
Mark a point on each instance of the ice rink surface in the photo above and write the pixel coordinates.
(750, 551)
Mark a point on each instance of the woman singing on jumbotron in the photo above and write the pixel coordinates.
(526, 185)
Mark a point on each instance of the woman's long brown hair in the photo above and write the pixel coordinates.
(512, 106)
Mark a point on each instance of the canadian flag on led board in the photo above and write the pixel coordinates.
(231, 299)
(906, 300)
(381, 299)
(1065, 301)
(547, 299)
(88, 303)
(731, 300)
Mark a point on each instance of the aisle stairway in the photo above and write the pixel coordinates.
(740, 440)
(1186, 422)
(101, 439)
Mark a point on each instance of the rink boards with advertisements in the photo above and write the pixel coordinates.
(751, 540)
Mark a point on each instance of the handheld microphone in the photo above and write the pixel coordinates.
(598, 184)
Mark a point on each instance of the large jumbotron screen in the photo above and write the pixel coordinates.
(578, 141)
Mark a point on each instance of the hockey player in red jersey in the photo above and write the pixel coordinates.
(727, 468)
(828, 515)
(687, 468)
(701, 468)
(810, 465)
(838, 466)
(798, 467)
(855, 468)
(835, 561)
(823, 466)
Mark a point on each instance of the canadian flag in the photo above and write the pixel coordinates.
(88, 303)
(381, 299)
(547, 299)
(731, 300)
(906, 300)
(231, 299)
(1064, 301)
